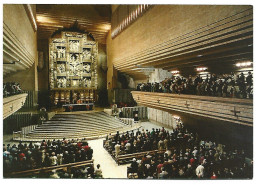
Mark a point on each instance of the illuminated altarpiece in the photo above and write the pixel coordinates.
(73, 68)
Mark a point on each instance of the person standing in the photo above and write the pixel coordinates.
(53, 159)
(117, 148)
(200, 171)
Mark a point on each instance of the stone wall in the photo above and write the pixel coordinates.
(163, 117)
(159, 75)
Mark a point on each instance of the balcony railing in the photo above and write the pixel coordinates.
(234, 110)
(12, 104)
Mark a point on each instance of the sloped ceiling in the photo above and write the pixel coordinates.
(218, 46)
(92, 18)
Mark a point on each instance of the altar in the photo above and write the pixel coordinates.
(78, 107)
(73, 58)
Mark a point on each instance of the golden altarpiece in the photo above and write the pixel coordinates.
(72, 68)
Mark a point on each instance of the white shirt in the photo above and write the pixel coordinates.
(98, 172)
(117, 148)
(53, 160)
(55, 176)
(195, 152)
(127, 146)
(200, 171)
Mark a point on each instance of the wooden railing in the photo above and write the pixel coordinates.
(234, 110)
(67, 167)
(126, 158)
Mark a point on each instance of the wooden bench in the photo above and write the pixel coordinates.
(67, 167)
(127, 158)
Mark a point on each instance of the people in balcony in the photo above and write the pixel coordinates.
(11, 88)
(226, 85)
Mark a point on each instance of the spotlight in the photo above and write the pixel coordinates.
(175, 72)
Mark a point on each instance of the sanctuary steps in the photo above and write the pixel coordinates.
(72, 126)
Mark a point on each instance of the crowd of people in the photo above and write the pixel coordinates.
(185, 157)
(26, 156)
(226, 85)
(81, 172)
(11, 88)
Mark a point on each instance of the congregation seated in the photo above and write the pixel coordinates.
(185, 157)
(226, 85)
(79, 172)
(82, 172)
(44, 154)
(11, 88)
(191, 159)
(194, 163)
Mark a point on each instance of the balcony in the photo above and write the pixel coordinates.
(12, 104)
(239, 111)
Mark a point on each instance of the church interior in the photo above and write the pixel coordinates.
(127, 91)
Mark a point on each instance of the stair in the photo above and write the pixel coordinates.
(77, 126)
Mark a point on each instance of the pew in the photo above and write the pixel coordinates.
(127, 158)
(48, 169)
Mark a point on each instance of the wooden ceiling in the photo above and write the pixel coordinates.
(96, 19)
(217, 46)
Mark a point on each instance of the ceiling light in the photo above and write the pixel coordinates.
(176, 117)
(201, 68)
(44, 19)
(244, 64)
(175, 72)
(107, 27)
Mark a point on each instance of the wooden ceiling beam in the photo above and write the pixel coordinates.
(92, 19)
(197, 47)
(206, 31)
(206, 56)
(227, 60)
(226, 46)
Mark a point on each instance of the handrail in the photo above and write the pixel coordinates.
(140, 153)
(197, 97)
(239, 111)
(13, 103)
(50, 168)
(136, 155)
